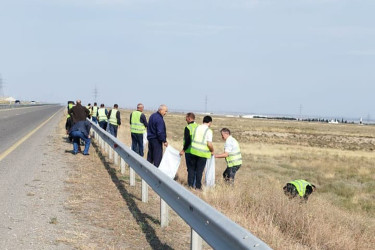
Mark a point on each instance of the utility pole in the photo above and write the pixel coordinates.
(95, 94)
(205, 104)
(1, 87)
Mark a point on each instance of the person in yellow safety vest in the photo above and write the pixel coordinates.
(232, 155)
(114, 120)
(89, 108)
(69, 121)
(138, 125)
(102, 116)
(94, 113)
(201, 150)
(188, 134)
(299, 187)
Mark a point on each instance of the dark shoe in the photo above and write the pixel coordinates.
(74, 153)
(86, 154)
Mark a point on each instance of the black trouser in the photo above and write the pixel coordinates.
(189, 165)
(137, 143)
(195, 170)
(155, 151)
(103, 125)
(230, 172)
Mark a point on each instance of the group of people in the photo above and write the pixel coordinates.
(197, 141)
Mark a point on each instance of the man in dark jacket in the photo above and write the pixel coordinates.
(78, 112)
(157, 135)
(81, 130)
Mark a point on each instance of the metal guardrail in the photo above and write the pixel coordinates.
(215, 228)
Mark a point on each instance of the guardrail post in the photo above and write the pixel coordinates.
(122, 166)
(164, 213)
(116, 158)
(132, 177)
(110, 154)
(196, 241)
(144, 191)
(107, 148)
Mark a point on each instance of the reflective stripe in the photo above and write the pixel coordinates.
(198, 145)
(70, 105)
(102, 116)
(112, 118)
(135, 124)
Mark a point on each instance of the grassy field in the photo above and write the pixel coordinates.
(338, 158)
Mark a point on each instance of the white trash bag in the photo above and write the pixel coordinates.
(210, 172)
(170, 162)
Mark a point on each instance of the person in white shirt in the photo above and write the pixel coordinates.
(232, 155)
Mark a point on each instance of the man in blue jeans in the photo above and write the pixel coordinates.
(81, 130)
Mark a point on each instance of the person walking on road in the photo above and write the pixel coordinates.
(188, 134)
(138, 125)
(114, 120)
(232, 155)
(102, 117)
(94, 113)
(81, 130)
(201, 150)
(78, 112)
(157, 135)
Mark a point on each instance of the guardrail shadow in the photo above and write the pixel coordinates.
(129, 198)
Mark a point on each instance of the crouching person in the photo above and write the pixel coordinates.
(232, 155)
(81, 130)
(299, 187)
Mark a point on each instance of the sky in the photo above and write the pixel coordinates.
(295, 57)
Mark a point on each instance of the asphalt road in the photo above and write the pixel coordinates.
(31, 180)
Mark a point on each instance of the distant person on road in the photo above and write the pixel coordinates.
(94, 113)
(114, 120)
(157, 135)
(78, 112)
(299, 187)
(102, 117)
(90, 110)
(232, 155)
(188, 134)
(69, 120)
(81, 130)
(138, 125)
(201, 150)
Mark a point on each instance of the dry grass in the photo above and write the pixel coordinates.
(339, 159)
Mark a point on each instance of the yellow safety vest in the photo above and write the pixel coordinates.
(94, 111)
(234, 158)
(112, 118)
(191, 127)
(102, 116)
(136, 126)
(300, 186)
(198, 144)
(70, 105)
(89, 108)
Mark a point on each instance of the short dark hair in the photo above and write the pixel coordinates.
(95, 104)
(225, 130)
(207, 119)
(191, 115)
(102, 105)
(115, 106)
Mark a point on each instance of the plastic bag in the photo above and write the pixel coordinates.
(210, 172)
(170, 162)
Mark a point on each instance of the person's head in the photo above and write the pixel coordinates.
(163, 109)
(78, 102)
(225, 133)
(89, 104)
(95, 104)
(207, 120)
(190, 117)
(70, 102)
(140, 107)
(102, 105)
(115, 106)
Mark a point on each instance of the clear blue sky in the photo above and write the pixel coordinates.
(254, 56)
